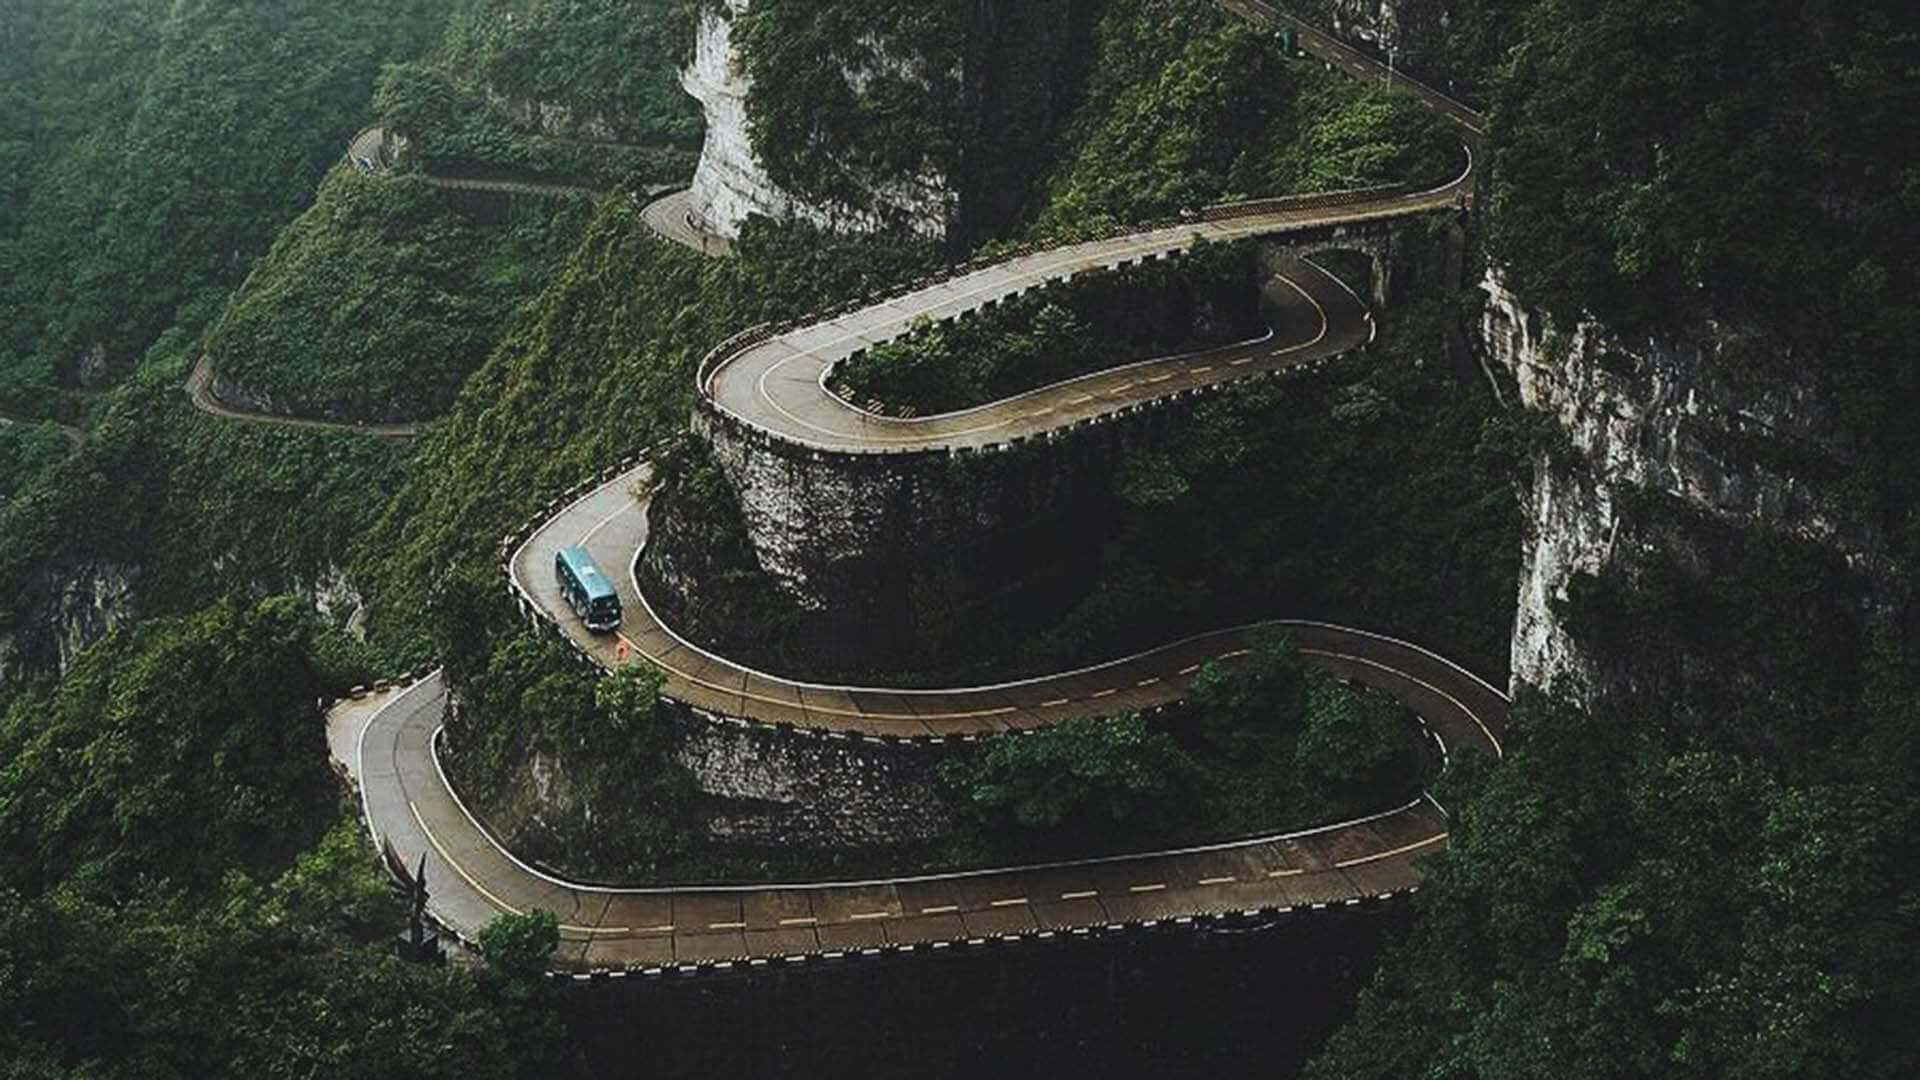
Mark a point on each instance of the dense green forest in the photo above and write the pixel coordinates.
(154, 148)
(1714, 882)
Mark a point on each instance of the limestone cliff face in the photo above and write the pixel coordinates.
(554, 118)
(1737, 455)
(730, 184)
(70, 609)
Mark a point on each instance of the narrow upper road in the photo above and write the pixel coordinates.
(200, 392)
(73, 434)
(777, 383)
(669, 217)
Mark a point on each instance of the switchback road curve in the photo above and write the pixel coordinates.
(772, 381)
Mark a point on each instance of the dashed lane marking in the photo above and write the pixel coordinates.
(1227, 880)
(1101, 693)
(939, 909)
(1155, 887)
(1084, 894)
(1054, 702)
(1287, 872)
(726, 926)
(799, 920)
(861, 916)
(1012, 901)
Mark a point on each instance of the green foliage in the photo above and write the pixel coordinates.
(602, 364)
(27, 449)
(380, 299)
(203, 507)
(1614, 904)
(167, 142)
(1222, 117)
(1356, 494)
(256, 981)
(454, 130)
(178, 895)
(820, 133)
(178, 749)
(1352, 737)
(1249, 703)
(519, 948)
(1207, 297)
(1086, 777)
(1688, 187)
(611, 63)
(621, 802)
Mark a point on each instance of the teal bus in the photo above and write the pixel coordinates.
(588, 592)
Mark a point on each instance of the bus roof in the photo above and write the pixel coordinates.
(591, 578)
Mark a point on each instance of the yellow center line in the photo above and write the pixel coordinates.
(726, 926)
(1102, 693)
(1053, 703)
(457, 868)
(654, 659)
(799, 920)
(813, 352)
(1401, 850)
(861, 915)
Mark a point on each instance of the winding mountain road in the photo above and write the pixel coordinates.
(773, 380)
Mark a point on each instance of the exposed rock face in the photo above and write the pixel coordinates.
(337, 600)
(70, 609)
(730, 184)
(755, 788)
(553, 118)
(775, 789)
(894, 560)
(235, 396)
(1663, 417)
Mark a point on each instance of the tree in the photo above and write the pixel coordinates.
(1351, 735)
(1090, 775)
(519, 949)
(1249, 702)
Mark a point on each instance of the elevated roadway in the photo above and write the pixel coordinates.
(389, 747)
